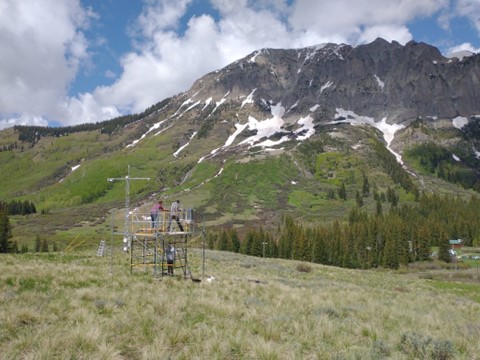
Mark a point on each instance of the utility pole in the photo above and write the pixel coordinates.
(127, 179)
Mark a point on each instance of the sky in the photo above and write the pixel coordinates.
(69, 62)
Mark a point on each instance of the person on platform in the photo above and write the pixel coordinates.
(154, 211)
(175, 215)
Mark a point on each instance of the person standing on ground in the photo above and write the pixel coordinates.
(170, 253)
(154, 212)
(174, 215)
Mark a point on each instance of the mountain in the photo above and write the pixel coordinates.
(281, 131)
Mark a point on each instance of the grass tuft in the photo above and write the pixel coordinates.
(303, 267)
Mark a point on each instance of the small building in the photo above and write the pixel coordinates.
(456, 244)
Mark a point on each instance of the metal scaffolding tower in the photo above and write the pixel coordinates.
(147, 239)
(151, 240)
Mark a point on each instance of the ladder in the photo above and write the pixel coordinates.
(101, 248)
(181, 261)
(181, 258)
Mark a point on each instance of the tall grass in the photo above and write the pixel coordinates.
(75, 306)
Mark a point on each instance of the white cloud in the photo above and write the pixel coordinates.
(23, 119)
(42, 48)
(471, 10)
(360, 21)
(463, 47)
(387, 31)
(160, 16)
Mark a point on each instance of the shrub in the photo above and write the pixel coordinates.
(423, 347)
(302, 267)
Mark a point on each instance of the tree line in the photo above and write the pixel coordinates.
(17, 207)
(405, 234)
(7, 245)
(32, 134)
(441, 162)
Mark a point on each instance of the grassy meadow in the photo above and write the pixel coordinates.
(80, 306)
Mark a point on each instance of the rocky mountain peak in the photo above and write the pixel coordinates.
(380, 79)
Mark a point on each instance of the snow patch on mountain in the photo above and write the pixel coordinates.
(218, 103)
(312, 51)
(256, 53)
(337, 49)
(175, 154)
(232, 137)
(185, 103)
(379, 82)
(293, 106)
(73, 168)
(152, 128)
(459, 122)
(388, 130)
(230, 140)
(267, 128)
(326, 86)
(207, 102)
(192, 106)
(218, 174)
(307, 128)
(249, 99)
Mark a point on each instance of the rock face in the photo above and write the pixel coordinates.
(380, 79)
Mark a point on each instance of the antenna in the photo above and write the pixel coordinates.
(127, 180)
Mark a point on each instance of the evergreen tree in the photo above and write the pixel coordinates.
(319, 247)
(390, 256)
(44, 247)
(286, 238)
(359, 199)
(223, 241)
(301, 249)
(6, 245)
(335, 257)
(365, 186)
(247, 242)
(211, 241)
(392, 197)
(379, 211)
(342, 192)
(38, 244)
(421, 243)
(444, 251)
(234, 240)
(256, 248)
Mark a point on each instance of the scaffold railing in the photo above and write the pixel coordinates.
(161, 222)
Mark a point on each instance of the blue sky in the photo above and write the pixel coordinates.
(76, 61)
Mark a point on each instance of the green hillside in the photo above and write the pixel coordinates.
(316, 182)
